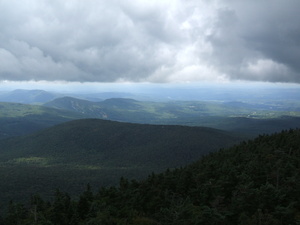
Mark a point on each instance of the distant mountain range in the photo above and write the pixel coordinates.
(243, 118)
(41, 96)
(247, 119)
(254, 94)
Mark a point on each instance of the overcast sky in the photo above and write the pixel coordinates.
(155, 41)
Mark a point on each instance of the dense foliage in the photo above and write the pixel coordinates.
(256, 182)
(99, 152)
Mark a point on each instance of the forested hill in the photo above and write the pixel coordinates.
(115, 143)
(256, 182)
(99, 152)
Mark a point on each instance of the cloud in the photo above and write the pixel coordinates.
(149, 40)
(256, 34)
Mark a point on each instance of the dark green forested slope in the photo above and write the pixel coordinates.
(109, 141)
(99, 152)
(256, 182)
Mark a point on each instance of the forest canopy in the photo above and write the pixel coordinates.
(255, 182)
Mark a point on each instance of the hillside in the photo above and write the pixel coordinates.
(98, 152)
(256, 182)
(244, 126)
(20, 119)
(86, 108)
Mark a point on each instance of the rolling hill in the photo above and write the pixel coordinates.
(247, 119)
(117, 109)
(98, 152)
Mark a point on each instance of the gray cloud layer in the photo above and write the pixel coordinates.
(150, 40)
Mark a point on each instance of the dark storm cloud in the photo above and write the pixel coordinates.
(149, 40)
(259, 40)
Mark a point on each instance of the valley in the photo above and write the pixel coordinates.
(67, 142)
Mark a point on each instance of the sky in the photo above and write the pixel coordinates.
(149, 41)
